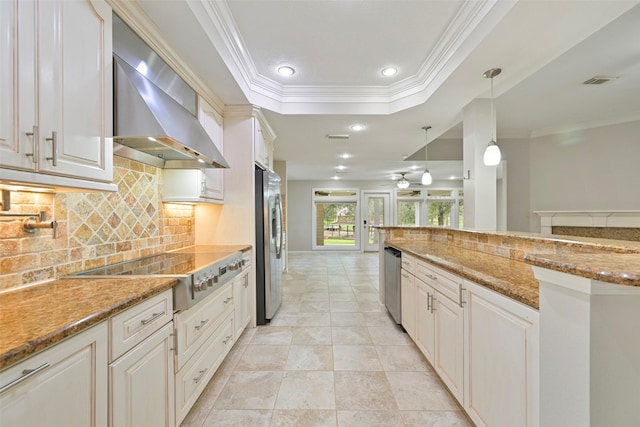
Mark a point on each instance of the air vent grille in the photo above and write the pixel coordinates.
(598, 80)
(338, 136)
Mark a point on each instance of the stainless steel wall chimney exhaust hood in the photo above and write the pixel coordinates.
(154, 119)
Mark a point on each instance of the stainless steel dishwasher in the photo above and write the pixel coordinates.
(392, 266)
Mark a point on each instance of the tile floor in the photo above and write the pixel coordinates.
(332, 356)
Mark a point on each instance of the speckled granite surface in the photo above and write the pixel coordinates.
(509, 277)
(621, 269)
(38, 316)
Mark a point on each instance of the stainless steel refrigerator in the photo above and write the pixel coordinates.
(269, 239)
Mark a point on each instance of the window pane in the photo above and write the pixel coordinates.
(335, 224)
(439, 213)
(408, 213)
(460, 213)
(375, 217)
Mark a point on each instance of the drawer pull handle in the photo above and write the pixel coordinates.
(153, 317)
(199, 377)
(26, 374)
(433, 306)
(227, 300)
(429, 301)
(226, 339)
(54, 148)
(432, 277)
(36, 139)
(201, 325)
(461, 302)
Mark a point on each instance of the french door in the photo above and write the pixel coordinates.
(375, 212)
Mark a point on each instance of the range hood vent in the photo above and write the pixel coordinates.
(150, 125)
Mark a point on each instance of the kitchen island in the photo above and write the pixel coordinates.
(586, 293)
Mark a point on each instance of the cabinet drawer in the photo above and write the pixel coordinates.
(194, 376)
(130, 327)
(444, 282)
(194, 326)
(409, 263)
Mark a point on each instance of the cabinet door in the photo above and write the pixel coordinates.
(142, 383)
(449, 336)
(74, 89)
(425, 320)
(68, 389)
(17, 84)
(502, 343)
(408, 304)
(260, 150)
(211, 121)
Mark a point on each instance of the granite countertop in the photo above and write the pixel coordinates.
(509, 277)
(621, 269)
(36, 317)
(214, 249)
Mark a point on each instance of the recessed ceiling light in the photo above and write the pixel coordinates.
(336, 177)
(452, 177)
(414, 167)
(389, 71)
(356, 127)
(341, 167)
(345, 156)
(286, 71)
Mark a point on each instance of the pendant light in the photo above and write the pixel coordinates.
(402, 183)
(427, 179)
(492, 154)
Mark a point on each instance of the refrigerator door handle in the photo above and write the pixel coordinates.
(278, 229)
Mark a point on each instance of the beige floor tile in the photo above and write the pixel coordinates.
(341, 296)
(316, 296)
(350, 335)
(314, 319)
(312, 335)
(250, 390)
(347, 319)
(310, 358)
(273, 335)
(356, 358)
(303, 418)
(402, 358)
(371, 306)
(314, 306)
(284, 319)
(380, 318)
(367, 391)
(306, 390)
(344, 307)
(263, 358)
(238, 418)
(246, 337)
(370, 419)
(434, 419)
(389, 335)
(420, 391)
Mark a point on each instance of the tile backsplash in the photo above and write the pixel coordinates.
(94, 228)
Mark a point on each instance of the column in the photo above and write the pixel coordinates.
(480, 211)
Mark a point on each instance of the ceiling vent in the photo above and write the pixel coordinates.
(338, 136)
(598, 80)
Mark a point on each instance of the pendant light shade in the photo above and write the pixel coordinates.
(427, 179)
(402, 183)
(492, 155)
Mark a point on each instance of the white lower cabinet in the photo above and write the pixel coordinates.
(65, 385)
(425, 321)
(483, 345)
(142, 388)
(242, 316)
(502, 346)
(408, 302)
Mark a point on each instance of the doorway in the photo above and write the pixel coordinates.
(375, 212)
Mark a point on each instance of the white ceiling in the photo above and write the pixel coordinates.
(441, 48)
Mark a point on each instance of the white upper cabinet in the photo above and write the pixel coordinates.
(198, 185)
(57, 121)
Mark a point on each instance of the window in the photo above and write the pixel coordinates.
(445, 208)
(335, 218)
(408, 207)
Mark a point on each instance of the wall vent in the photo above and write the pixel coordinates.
(338, 136)
(598, 80)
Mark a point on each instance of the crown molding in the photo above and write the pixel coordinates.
(574, 127)
(133, 15)
(472, 22)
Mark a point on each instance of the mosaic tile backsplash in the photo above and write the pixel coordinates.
(94, 228)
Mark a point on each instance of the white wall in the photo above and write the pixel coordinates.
(516, 154)
(592, 169)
